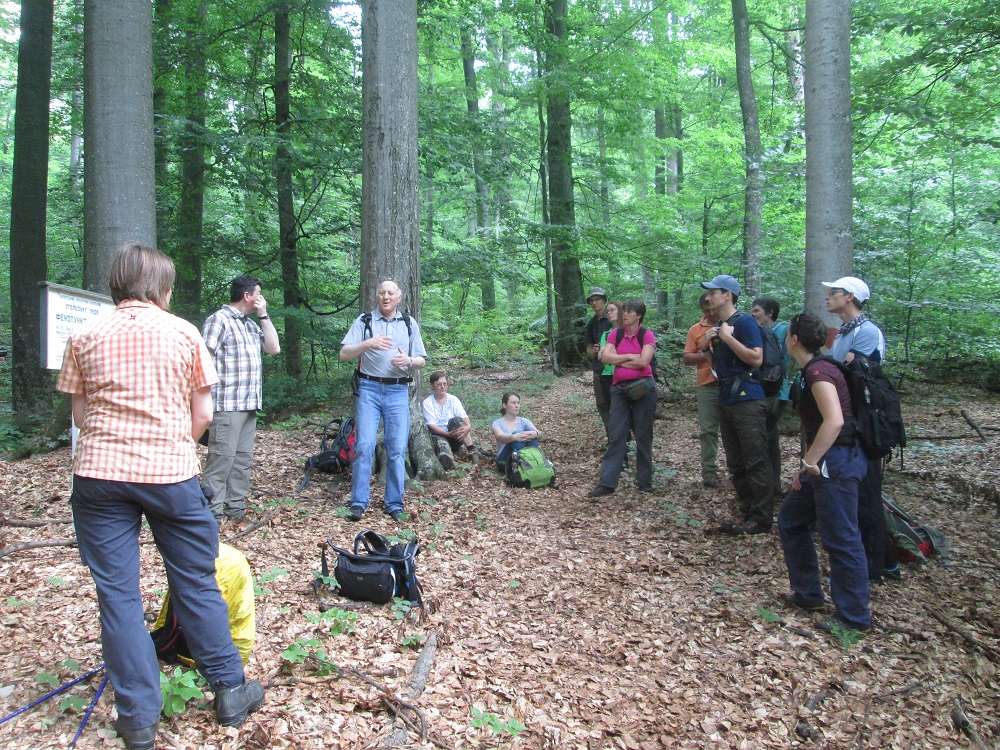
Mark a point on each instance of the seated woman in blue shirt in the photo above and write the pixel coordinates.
(512, 431)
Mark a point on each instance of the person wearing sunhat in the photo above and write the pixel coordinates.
(596, 327)
(735, 347)
(846, 298)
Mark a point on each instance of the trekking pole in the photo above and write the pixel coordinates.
(90, 710)
(54, 693)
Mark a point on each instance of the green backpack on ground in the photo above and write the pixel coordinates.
(530, 468)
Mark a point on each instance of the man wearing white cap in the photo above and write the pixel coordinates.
(596, 326)
(859, 335)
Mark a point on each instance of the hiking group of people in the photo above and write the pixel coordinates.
(146, 386)
(836, 487)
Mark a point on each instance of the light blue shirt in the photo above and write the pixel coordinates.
(866, 339)
(378, 363)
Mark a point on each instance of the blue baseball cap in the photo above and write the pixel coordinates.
(723, 281)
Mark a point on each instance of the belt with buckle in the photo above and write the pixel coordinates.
(385, 381)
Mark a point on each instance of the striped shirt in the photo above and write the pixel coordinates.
(234, 341)
(138, 366)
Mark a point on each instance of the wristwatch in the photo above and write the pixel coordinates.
(263, 317)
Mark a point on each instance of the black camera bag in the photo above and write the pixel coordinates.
(375, 571)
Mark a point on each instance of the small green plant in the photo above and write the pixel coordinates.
(401, 536)
(515, 584)
(513, 727)
(72, 665)
(768, 615)
(339, 620)
(45, 678)
(309, 649)
(183, 686)
(13, 601)
(679, 516)
(266, 577)
(342, 512)
(73, 703)
(847, 636)
(400, 607)
(481, 523)
(329, 581)
(55, 581)
(460, 501)
(435, 529)
(413, 640)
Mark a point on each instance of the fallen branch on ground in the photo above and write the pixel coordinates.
(963, 724)
(12, 548)
(967, 637)
(973, 425)
(32, 524)
(414, 688)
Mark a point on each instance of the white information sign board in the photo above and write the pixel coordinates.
(65, 311)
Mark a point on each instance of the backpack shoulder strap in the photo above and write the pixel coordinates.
(374, 544)
(366, 323)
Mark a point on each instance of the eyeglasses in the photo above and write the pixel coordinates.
(837, 291)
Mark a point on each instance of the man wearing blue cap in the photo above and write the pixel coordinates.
(736, 349)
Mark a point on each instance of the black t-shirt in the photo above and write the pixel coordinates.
(592, 335)
(821, 371)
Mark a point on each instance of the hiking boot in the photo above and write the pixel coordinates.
(748, 528)
(647, 490)
(797, 602)
(601, 491)
(893, 574)
(136, 739)
(234, 704)
(829, 624)
(709, 482)
(446, 461)
(474, 455)
(396, 515)
(726, 527)
(356, 512)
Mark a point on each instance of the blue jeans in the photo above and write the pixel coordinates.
(636, 416)
(108, 516)
(391, 405)
(832, 503)
(503, 455)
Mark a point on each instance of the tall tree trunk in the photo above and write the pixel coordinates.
(31, 385)
(567, 279)
(191, 216)
(119, 185)
(543, 181)
(390, 200)
(76, 114)
(287, 226)
(487, 284)
(829, 186)
(390, 228)
(753, 200)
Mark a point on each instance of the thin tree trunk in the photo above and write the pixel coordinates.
(31, 385)
(567, 278)
(191, 216)
(753, 200)
(829, 185)
(543, 181)
(287, 225)
(487, 283)
(119, 184)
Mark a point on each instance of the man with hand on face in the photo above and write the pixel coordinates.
(388, 346)
(736, 348)
(235, 342)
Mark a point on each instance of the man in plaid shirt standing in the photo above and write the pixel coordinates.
(235, 342)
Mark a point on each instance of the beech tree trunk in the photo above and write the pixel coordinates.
(752, 200)
(390, 200)
(31, 385)
(829, 175)
(119, 184)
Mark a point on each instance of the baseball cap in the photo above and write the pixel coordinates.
(723, 281)
(851, 284)
(596, 292)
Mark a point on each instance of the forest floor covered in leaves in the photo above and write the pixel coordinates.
(623, 623)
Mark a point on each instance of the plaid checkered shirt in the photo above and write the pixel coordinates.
(138, 366)
(234, 341)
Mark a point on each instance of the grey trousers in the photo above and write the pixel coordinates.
(230, 455)
(708, 428)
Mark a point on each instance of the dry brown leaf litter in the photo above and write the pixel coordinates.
(619, 624)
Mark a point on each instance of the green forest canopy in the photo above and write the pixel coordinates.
(656, 211)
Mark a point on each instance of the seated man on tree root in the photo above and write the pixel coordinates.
(448, 423)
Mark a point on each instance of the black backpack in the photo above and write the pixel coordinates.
(877, 425)
(771, 373)
(374, 571)
(336, 450)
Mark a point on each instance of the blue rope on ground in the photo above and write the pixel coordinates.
(56, 692)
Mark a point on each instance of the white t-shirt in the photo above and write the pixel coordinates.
(439, 414)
